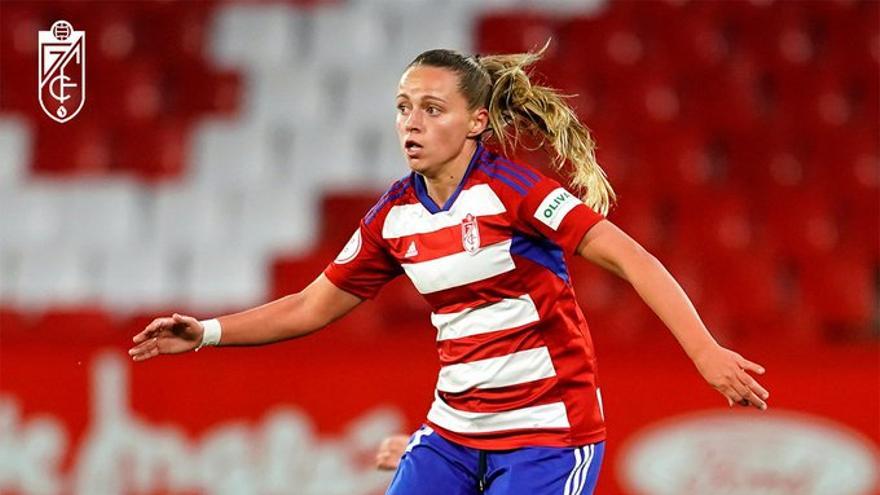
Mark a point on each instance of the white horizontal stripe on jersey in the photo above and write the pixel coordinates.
(510, 369)
(552, 415)
(504, 314)
(460, 269)
(403, 220)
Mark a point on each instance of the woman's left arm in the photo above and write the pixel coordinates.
(611, 248)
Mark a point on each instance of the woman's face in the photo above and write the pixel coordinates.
(433, 120)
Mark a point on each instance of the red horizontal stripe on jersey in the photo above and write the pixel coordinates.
(444, 242)
(489, 345)
(514, 439)
(485, 293)
(503, 399)
(528, 278)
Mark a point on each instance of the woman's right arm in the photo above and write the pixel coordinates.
(286, 318)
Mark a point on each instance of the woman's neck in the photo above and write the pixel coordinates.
(442, 185)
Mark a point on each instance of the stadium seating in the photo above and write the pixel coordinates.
(227, 150)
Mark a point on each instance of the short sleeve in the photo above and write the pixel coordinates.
(557, 214)
(363, 266)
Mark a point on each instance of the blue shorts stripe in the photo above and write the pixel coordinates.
(595, 466)
(588, 454)
(578, 460)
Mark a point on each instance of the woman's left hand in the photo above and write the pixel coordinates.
(727, 371)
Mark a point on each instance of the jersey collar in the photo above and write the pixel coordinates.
(422, 191)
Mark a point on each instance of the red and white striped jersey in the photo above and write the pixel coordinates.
(517, 362)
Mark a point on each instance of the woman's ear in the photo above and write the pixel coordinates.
(478, 123)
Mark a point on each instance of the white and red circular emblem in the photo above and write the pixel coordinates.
(351, 249)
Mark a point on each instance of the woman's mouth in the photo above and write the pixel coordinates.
(413, 149)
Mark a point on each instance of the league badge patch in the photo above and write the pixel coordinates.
(62, 71)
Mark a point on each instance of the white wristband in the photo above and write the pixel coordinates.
(211, 335)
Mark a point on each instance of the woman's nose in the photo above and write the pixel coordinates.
(414, 120)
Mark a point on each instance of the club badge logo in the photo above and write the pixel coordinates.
(62, 71)
(470, 234)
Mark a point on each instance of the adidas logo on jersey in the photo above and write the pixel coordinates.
(411, 250)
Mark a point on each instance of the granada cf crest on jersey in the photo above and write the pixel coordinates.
(470, 234)
(62, 71)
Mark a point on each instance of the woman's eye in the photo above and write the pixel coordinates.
(401, 108)
(433, 110)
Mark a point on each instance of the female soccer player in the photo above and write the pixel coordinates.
(517, 408)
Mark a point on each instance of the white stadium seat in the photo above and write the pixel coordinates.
(102, 214)
(279, 218)
(54, 275)
(15, 150)
(184, 217)
(224, 279)
(140, 279)
(347, 36)
(288, 93)
(224, 154)
(254, 36)
(31, 216)
(328, 158)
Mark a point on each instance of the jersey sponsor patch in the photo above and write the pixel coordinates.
(555, 207)
(351, 249)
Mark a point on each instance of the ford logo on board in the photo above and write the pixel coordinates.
(730, 453)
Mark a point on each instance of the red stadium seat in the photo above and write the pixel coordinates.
(82, 146)
(291, 274)
(605, 47)
(679, 159)
(639, 214)
(341, 214)
(198, 89)
(842, 289)
(689, 37)
(749, 283)
(721, 222)
(724, 99)
(18, 48)
(851, 33)
(175, 31)
(13, 324)
(514, 33)
(803, 224)
(153, 151)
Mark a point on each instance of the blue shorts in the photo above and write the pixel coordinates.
(433, 465)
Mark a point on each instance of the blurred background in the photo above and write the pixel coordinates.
(227, 149)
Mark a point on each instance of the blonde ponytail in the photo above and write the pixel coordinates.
(517, 106)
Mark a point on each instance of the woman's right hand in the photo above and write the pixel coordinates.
(390, 451)
(167, 335)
